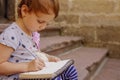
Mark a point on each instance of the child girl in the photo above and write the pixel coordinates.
(20, 40)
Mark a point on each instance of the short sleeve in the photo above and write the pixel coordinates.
(9, 38)
(36, 39)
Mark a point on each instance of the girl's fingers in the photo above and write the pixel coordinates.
(40, 62)
(39, 67)
(55, 59)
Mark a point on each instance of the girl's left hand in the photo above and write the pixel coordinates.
(53, 58)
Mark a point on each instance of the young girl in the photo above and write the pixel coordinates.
(20, 40)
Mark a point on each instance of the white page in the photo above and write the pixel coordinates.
(50, 67)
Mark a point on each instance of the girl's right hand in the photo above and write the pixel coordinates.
(36, 64)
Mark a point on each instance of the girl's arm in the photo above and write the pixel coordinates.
(8, 68)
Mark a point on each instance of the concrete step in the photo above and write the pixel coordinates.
(86, 60)
(58, 44)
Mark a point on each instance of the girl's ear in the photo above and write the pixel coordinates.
(24, 10)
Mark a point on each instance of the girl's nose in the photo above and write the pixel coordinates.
(43, 24)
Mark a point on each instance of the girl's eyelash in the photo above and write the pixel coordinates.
(42, 22)
(39, 21)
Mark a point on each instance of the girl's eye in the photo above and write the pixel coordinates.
(40, 21)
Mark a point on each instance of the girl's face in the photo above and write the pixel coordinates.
(33, 22)
(37, 22)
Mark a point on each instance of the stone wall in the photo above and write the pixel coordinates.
(11, 9)
(97, 20)
(7, 10)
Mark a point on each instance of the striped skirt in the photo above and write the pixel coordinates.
(69, 74)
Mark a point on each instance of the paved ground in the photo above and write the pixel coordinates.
(111, 70)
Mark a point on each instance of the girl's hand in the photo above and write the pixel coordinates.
(35, 65)
(53, 58)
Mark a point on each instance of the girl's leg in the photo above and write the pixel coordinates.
(57, 78)
(70, 74)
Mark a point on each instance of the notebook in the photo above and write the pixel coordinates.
(51, 70)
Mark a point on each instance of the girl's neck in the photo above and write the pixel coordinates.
(21, 24)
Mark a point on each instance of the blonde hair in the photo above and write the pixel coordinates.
(44, 6)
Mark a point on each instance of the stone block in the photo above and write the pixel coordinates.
(108, 34)
(63, 5)
(118, 6)
(100, 20)
(87, 32)
(70, 19)
(93, 6)
(114, 50)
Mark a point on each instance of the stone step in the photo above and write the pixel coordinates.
(51, 31)
(3, 26)
(86, 60)
(58, 44)
(4, 20)
(110, 71)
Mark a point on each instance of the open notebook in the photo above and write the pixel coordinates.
(51, 70)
